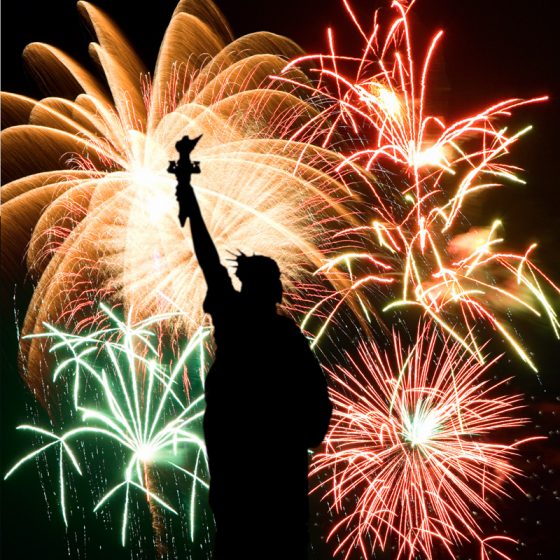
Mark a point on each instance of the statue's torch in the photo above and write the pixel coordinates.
(183, 168)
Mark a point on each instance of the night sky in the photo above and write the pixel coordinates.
(491, 50)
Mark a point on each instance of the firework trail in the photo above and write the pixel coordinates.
(410, 459)
(90, 205)
(420, 240)
(122, 392)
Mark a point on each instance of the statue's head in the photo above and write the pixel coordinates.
(260, 280)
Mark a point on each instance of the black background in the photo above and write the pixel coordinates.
(491, 50)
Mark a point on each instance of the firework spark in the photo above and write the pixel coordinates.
(421, 242)
(122, 392)
(88, 200)
(411, 444)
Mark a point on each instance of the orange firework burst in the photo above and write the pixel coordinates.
(88, 204)
(456, 276)
(411, 444)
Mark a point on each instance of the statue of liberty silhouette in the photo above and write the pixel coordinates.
(267, 402)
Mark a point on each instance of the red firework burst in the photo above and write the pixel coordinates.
(411, 459)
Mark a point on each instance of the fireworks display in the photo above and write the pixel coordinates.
(412, 447)
(93, 209)
(458, 276)
(341, 167)
(121, 390)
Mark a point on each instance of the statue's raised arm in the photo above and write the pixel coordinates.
(204, 247)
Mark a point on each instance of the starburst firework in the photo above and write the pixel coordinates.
(121, 392)
(88, 200)
(411, 457)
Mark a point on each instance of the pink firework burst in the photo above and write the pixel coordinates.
(411, 458)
